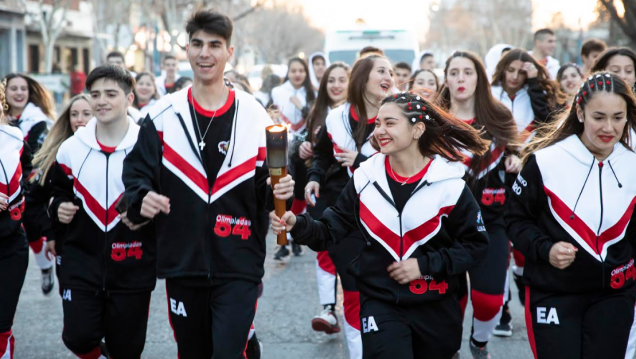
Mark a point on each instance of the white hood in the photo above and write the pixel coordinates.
(87, 134)
(312, 73)
(492, 58)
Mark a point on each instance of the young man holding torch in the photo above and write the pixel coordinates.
(198, 171)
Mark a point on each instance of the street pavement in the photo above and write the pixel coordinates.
(283, 319)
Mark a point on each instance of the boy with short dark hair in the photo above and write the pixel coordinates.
(590, 50)
(543, 50)
(198, 172)
(166, 83)
(106, 270)
(402, 73)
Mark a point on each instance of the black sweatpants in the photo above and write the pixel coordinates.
(211, 321)
(121, 319)
(431, 330)
(588, 325)
(14, 260)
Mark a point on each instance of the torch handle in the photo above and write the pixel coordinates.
(280, 205)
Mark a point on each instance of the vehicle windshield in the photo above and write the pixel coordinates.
(349, 56)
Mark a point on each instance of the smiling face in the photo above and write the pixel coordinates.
(108, 101)
(546, 44)
(425, 80)
(604, 120)
(515, 76)
(170, 65)
(623, 67)
(17, 93)
(393, 132)
(208, 54)
(570, 81)
(145, 89)
(380, 80)
(461, 79)
(296, 74)
(80, 114)
(337, 83)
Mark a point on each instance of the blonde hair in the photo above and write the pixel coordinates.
(59, 133)
(4, 107)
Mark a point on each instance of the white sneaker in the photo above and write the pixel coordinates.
(326, 322)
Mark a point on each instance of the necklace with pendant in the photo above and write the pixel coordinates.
(196, 120)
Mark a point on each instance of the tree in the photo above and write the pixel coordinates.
(626, 22)
(51, 16)
(280, 32)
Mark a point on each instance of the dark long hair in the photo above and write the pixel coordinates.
(553, 91)
(323, 102)
(309, 89)
(569, 123)
(38, 95)
(490, 114)
(445, 135)
(603, 59)
(356, 94)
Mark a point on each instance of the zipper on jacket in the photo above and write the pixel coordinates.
(105, 256)
(598, 232)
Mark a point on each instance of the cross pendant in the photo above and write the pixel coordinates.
(201, 145)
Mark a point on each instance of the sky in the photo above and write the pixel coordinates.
(326, 14)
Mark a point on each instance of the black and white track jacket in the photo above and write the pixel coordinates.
(213, 233)
(99, 252)
(564, 194)
(440, 226)
(15, 161)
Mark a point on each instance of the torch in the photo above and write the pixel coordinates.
(276, 143)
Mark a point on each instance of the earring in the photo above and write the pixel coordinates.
(580, 120)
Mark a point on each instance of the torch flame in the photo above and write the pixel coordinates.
(277, 128)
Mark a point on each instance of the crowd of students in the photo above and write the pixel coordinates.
(415, 191)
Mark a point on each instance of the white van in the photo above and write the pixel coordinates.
(399, 45)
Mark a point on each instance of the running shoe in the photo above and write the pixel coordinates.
(477, 352)
(254, 348)
(282, 253)
(297, 249)
(47, 281)
(504, 328)
(326, 322)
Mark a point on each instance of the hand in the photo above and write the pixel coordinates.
(296, 102)
(49, 251)
(405, 272)
(154, 203)
(284, 189)
(513, 164)
(562, 254)
(312, 187)
(129, 224)
(4, 202)
(306, 150)
(278, 224)
(66, 212)
(530, 70)
(347, 157)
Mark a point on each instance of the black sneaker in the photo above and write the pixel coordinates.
(521, 285)
(254, 348)
(282, 253)
(504, 328)
(297, 249)
(47, 281)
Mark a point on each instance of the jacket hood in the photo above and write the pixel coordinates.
(312, 73)
(577, 150)
(33, 113)
(492, 58)
(88, 135)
